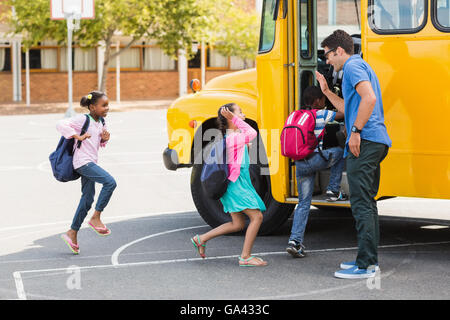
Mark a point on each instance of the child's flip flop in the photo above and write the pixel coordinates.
(245, 262)
(73, 247)
(100, 231)
(197, 243)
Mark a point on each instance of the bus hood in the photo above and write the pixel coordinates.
(241, 81)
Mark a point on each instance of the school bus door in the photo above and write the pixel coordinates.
(274, 72)
(304, 43)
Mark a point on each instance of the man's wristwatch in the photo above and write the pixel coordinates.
(355, 130)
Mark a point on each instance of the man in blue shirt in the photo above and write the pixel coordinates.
(366, 146)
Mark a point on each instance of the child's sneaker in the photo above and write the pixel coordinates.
(295, 249)
(336, 196)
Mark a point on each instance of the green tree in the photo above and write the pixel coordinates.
(237, 33)
(174, 24)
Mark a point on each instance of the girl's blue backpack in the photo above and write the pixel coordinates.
(61, 159)
(214, 177)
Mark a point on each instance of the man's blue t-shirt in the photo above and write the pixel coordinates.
(355, 71)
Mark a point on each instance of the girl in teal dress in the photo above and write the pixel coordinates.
(241, 197)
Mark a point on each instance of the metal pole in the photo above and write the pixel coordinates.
(100, 61)
(118, 73)
(70, 112)
(17, 70)
(182, 72)
(27, 76)
(203, 63)
(14, 69)
(332, 12)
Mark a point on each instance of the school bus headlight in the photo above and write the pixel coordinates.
(195, 85)
(192, 123)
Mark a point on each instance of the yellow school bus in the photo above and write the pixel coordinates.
(407, 43)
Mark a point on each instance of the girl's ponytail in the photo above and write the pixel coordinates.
(91, 98)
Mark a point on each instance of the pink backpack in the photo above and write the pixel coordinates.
(298, 140)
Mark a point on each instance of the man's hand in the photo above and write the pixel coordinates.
(83, 137)
(335, 100)
(323, 83)
(105, 135)
(354, 144)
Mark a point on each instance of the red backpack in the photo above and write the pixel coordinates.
(298, 140)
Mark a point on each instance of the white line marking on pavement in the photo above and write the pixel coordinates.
(322, 291)
(15, 168)
(109, 164)
(142, 215)
(78, 258)
(167, 175)
(19, 286)
(115, 255)
(130, 153)
(21, 292)
(106, 218)
(45, 166)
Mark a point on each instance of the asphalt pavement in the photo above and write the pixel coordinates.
(152, 217)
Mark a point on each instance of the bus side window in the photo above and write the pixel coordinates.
(440, 15)
(443, 16)
(397, 16)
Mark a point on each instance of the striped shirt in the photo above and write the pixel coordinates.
(323, 117)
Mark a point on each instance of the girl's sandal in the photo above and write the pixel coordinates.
(246, 262)
(197, 243)
(72, 246)
(100, 231)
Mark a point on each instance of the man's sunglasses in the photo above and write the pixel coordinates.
(326, 53)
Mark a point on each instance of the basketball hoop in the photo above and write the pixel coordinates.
(60, 8)
(72, 11)
(73, 20)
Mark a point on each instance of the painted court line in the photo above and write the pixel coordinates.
(45, 166)
(19, 286)
(323, 291)
(115, 255)
(93, 257)
(22, 295)
(107, 219)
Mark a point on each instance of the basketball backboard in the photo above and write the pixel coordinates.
(85, 9)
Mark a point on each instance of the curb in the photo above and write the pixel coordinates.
(21, 109)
